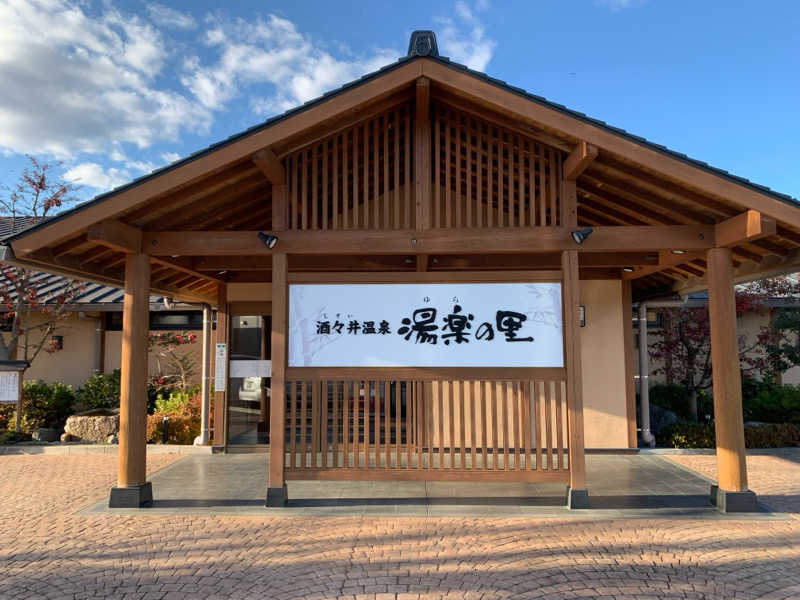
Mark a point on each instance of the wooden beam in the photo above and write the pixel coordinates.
(270, 166)
(726, 374)
(116, 235)
(71, 266)
(666, 259)
(422, 154)
(132, 455)
(558, 122)
(455, 241)
(579, 160)
(352, 99)
(748, 226)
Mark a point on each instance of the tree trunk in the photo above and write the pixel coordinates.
(692, 388)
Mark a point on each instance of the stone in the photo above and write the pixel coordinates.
(93, 425)
(112, 439)
(46, 434)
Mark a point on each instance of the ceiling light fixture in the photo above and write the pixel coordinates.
(679, 251)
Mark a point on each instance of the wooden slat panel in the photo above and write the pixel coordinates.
(537, 424)
(548, 425)
(440, 393)
(473, 398)
(526, 411)
(457, 132)
(559, 424)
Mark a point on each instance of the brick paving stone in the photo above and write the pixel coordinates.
(49, 551)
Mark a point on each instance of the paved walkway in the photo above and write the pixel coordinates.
(49, 550)
(620, 485)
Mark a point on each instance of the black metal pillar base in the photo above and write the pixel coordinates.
(577, 498)
(736, 502)
(132, 496)
(277, 496)
(713, 494)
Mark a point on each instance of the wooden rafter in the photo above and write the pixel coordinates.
(579, 160)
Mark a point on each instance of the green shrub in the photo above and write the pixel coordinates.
(686, 434)
(183, 418)
(771, 435)
(6, 414)
(770, 403)
(99, 391)
(45, 405)
(671, 396)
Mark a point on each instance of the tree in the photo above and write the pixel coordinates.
(33, 318)
(683, 348)
(176, 366)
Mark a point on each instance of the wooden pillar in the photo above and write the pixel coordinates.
(578, 496)
(276, 490)
(132, 488)
(222, 338)
(727, 385)
(422, 154)
(627, 346)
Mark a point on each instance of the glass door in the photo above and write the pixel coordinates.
(248, 389)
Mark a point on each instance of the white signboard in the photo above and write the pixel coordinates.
(9, 386)
(250, 368)
(220, 366)
(426, 325)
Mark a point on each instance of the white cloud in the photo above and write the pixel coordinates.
(270, 51)
(617, 5)
(169, 17)
(463, 38)
(93, 175)
(79, 83)
(142, 166)
(170, 157)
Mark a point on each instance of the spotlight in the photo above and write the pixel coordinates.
(679, 251)
(269, 240)
(580, 235)
(628, 269)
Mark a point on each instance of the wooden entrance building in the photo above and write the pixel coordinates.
(425, 171)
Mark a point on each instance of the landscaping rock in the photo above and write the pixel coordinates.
(46, 434)
(93, 425)
(112, 439)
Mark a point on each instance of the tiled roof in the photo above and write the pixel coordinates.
(49, 286)
(459, 67)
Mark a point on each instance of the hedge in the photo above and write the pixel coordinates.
(685, 434)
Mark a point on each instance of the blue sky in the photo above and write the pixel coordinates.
(114, 89)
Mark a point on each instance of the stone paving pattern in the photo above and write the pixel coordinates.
(49, 551)
(774, 477)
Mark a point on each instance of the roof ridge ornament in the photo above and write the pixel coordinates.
(423, 43)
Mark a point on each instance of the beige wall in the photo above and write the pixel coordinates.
(74, 364)
(249, 292)
(602, 358)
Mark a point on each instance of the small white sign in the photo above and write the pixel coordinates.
(220, 367)
(9, 386)
(251, 368)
